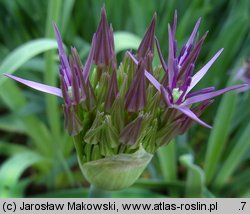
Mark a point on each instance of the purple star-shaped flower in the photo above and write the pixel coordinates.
(178, 80)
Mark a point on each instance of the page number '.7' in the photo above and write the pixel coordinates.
(242, 205)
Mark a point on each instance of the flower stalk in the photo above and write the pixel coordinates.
(95, 192)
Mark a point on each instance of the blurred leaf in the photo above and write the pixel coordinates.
(219, 134)
(136, 193)
(8, 90)
(12, 169)
(195, 182)
(241, 114)
(137, 10)
(18, 191)
(190, 17)
(53, 115)
(168, 162)
(237, 184)
(66, 193)
(158, 184)
(207, 194)
(66, 11)
(234, 159)
(7, 148)
(23, 53)
(35, 64)
(83, 193)
(40, 135)
(246, 194)
(11, 123)
(125, 41)
(232, 34)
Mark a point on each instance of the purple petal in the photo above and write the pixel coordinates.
(65, 94)
(150, 77)
(245, 88)
(192, 115)
(200, 74)
(112, 43)
(87, 66)
(148, 40)
(185, 55)
(132, 57)
(190, 57)
(165, 96)
(130, 132)
(76, 67)
(164, 66)
(175, 73)
(148, 59)
(59, 41)
(171, 56)
(75, 87)
(202, 97)
(37, 86)
(191, 38)
(113, 91)
(71, 121)
(135, 98)
(202, 91)
(154, 81)
(61, 51)
(103, 48)
(198, 110)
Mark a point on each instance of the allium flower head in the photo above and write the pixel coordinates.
(119, 116)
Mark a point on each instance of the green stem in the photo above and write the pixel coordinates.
(50, 74)
(50, 78)
(52, 111)
(79, 148)
(95, 192)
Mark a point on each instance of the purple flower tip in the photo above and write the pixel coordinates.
(104, 45)
(135, 98)
(147, 43)
(112, 91)
(37, 86)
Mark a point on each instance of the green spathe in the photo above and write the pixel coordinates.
(118, 171)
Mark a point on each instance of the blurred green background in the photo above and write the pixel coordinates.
(37, 158)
